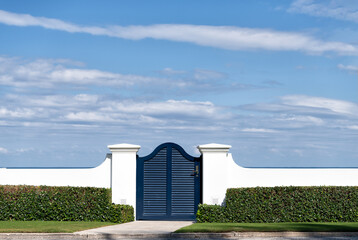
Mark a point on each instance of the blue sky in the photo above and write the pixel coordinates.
(277, 80)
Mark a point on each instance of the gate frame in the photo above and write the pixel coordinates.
(198, 184)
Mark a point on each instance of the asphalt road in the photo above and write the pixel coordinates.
(244, 238)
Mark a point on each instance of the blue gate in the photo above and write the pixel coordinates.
(168, 184)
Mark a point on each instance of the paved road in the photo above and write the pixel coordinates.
(255, 238)
(109, 237)
(275, 238)
(163, 230)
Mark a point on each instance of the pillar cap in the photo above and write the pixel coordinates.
(124, 147)
(214, 147)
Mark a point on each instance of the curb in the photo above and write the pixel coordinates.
(40, 236)
(237, 235)
(228, 235)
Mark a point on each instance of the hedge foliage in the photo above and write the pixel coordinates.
(210, 213)
(284, 204)
(45, 203)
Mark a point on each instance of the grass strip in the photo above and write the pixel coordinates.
(271, 227)
(48, 226)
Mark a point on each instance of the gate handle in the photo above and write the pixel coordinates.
(195, 172)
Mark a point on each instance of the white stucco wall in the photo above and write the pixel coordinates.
(229, 174)
(124, 173)
(253, 177)
(77, 177)
(220, 172)
(118, 172)
(215, 172)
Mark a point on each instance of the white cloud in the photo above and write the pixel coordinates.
(60, 73)
(3, 150)
(348, 67)
(16, 113)
(303, 120)
(294, 113)
(77, 118)
(86, 98)
(171, 114)
(203, 74)
(309, 106)
(47, 73)
(258, 130)
(93, 110)
(60, 100)
(225, 37)
(339, 9)
(88, 117)
(333, 105)
(170, 71)
(23, 150)
(274, 150)
(298, 152)
(169, 107)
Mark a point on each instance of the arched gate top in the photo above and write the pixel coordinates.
(168, 145)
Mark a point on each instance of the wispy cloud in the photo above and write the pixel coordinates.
(151, 112)
(48, 74)
(167, 107)
(326, 104)
(301, 120)
(3, 150)
(224, 37)
(16, 113)
(339, 9)
(203, 74)
(170, 71)
(312, 125)
(94, 110)
(348, 67)
(24, 150)
(258, 130)
(272, 83)
(353, 127)
(308, 105)
(289, 112)
(81, 109)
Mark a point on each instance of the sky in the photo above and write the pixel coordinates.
(277, 80)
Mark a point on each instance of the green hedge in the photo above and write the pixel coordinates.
(284, 204)
(45, 203)
(210, 213)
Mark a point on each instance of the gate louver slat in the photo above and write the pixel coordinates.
(155, 185)
(182, 185)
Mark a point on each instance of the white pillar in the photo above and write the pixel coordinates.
(215, 172)
(124, 168)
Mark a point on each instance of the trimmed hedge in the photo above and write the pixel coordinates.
(210, 213)
(284, 204)
(45, 203)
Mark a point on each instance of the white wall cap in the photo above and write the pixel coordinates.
(214, 147)
(124, 147)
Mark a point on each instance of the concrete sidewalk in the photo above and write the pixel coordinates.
(138, 228)
(164, 230)
(131, 230)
